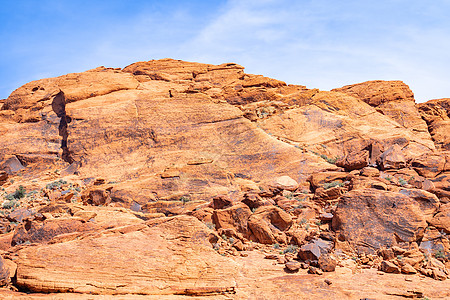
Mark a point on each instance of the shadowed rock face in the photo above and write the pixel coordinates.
(59, 108)
(182, 179)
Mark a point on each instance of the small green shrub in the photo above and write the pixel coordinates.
(19, 193)
(185, 199)
(290, 249)
(439, 254)
(402, 181)
(276, 246)
(328, 185)
(56, 184)
(10, 204)
(211, 226)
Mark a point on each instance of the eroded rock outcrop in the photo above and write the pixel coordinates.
(179, 178)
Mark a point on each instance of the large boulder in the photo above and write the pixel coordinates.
(429, 164)
(234, 217)
(442, 219)
(428, 202)
(437, 115)
(268, 224)
(378, 92)
(168, 256)
(371, 218)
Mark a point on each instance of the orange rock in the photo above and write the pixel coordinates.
(234, 217)
(436, 114)
(429, 164)
(267, 224)
(109, 267)
(371, 218)
(379, 91)
(442, 219)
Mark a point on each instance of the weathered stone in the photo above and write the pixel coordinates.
(319, 179)
(408, 269)
(436, 113)
(234, 217)
(327, 263)
(387, 254)
(370, 219)
(442, 219)
(389, 267)
(379, 91)
(267, 224)
(392, 158)
(222, 201)
(314, 250)
(35, 232)
(254, 201)
(370, 172)
(19, 215)
(293, 265)
(97, 197)
(429, 164)
(354, 161)
(285, 183)
(428, 202)
(108, 267)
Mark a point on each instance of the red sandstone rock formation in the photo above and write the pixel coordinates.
(176, 178)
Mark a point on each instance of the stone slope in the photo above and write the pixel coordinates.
(178, 179)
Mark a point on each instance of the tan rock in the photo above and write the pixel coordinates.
(371, 218)
(110, 268)
(392, 158)
(436, 114)
(428, 202)
(389, 267)
(429, 164)
(442, 219)
(268, 223)
(285, 183)
(379, 91)
(235, 217)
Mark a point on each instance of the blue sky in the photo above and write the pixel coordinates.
(318, 43)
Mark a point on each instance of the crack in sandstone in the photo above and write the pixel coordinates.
(59, 107)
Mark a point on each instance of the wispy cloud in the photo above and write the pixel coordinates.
(317, 43)
(327, 44)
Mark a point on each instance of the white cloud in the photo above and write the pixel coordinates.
(327, 44)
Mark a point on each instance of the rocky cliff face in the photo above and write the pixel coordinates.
(176, 178)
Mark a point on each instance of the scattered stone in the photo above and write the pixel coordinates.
(19, 215)
(392, 158)
(370, 172)
(268, 224)
(221, 202)
(285, 183)
(408, 269)
(314, 249)
(293, 265)
(438, 274)
(314, 270)
(327, 263)
(389, 267)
